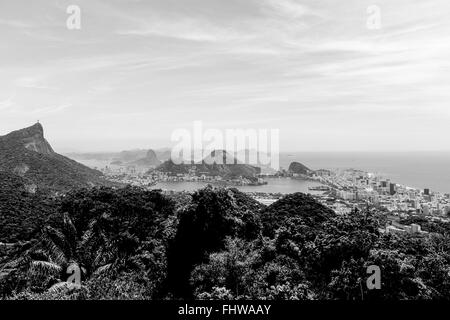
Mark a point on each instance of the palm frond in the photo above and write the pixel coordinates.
(87, 238)
(103, 255)
(103, 269)
(63, 287)
(55, 252)
(55, 235)
(44, 268)
(69, 228)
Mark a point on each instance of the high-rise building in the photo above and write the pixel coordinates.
(392, 189)
(425, 209)
(426, 192)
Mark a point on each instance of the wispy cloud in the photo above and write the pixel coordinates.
(31, 82)
(287, 8)
(50, 109)
(7, 103)
(311, 66)
(15, 23)
(182, 28)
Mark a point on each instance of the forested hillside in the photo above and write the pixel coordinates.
(23, 208)
(27, 153)
(219, 244)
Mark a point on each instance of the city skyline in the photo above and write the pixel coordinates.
(138, 70)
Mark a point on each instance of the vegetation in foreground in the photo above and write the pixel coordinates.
(216, 244)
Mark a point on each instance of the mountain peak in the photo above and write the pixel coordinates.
(25, 153)
(31, 138)
(37, 127)
(298, 168)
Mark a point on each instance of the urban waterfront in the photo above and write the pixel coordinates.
(415, 169)
(274, 185)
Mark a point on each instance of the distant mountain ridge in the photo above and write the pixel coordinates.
(150, 160)
(139, 158)
(27, 154)
(217, 163)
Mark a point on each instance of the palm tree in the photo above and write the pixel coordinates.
(56, 256)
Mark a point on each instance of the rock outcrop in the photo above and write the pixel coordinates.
(298, 168)
(26, 153)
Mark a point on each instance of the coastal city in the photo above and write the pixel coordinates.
(148, 178)
(350, 189)
(341, 190)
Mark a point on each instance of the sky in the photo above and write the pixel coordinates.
(136, 71)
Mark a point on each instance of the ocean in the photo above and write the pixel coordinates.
(414, 169)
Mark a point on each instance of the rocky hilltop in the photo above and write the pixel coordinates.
(298, 168)
(217, 163)
(150, 160)
(27, 153)
(32, 138)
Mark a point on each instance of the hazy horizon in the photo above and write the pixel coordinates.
(137, 145)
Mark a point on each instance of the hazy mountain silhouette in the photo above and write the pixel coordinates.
(217, 163)
(27, 154)
(150, 160)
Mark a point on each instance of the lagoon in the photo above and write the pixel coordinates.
(274, 185)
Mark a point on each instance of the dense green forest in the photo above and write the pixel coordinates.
(216, 244)
(22, 213)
